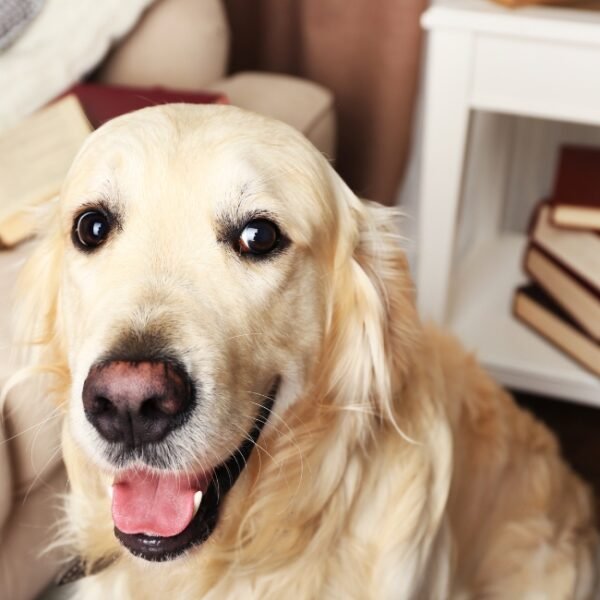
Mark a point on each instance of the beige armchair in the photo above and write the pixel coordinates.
(181, 44)
(185, 44)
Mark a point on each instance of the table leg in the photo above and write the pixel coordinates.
(446, 120)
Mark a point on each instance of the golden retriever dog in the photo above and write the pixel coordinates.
(253, 409)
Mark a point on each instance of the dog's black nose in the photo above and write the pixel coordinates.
(136, 402)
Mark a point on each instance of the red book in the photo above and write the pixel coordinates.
(104, 102)
(576, 197)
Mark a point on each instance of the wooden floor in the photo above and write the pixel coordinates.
(578, 428)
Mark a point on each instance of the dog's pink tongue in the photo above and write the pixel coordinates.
(159, 505)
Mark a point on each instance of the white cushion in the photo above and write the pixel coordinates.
(66, 40)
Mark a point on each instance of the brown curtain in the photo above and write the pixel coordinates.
(366, 51)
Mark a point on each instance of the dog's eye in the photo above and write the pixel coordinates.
(90, 229)
(258, 237)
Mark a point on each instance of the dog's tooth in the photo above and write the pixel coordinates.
(109, 489)
(197, 500)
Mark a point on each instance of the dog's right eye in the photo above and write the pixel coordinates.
(258, 237)
(90, 229)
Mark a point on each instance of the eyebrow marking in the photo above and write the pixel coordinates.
(106, 197)
(110, 209)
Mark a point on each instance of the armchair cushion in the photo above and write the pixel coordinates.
(181, 44)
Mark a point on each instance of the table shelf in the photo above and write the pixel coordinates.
(480, 313)
(510, 65)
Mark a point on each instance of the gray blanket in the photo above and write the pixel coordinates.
(15, 15)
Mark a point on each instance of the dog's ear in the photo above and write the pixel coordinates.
(36, 303)
(373, 327)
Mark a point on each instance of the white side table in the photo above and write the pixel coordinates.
(538, 62)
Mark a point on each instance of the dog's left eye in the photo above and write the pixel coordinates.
(258, 237)
(90, 229)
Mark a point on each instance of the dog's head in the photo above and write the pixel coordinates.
(203, 272)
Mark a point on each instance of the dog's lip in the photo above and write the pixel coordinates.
(203, 523)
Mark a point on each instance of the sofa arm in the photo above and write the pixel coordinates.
(29, 425)
(28, 559)
(305, 105)
(31, 472)
(10, 263)
(33, 427)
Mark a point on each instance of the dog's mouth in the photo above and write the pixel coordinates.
(157, 517)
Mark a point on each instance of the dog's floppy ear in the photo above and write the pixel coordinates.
(373, 326)
(37, 314)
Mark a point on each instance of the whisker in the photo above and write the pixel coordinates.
(239, 335)
(254, 443)
(41, 472)
(35, 437)
(291, 437)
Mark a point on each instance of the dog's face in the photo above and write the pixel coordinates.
(204, 275)
(192, 305)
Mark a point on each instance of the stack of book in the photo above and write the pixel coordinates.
(562, 259)
(36, 154)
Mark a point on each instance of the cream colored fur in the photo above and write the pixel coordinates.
(391, 467)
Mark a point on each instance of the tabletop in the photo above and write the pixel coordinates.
(544, 22)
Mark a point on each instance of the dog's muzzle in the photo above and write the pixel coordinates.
(134, 405)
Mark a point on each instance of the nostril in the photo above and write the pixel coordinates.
(101, 406)
(151, 408)
(172, 405)
(161, 406)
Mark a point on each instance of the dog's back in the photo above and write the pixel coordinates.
(523, 522)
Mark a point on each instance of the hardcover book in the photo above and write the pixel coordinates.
(576, 251)
(576, 196)
(573, 294)
(542, 314)
(103, 102)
